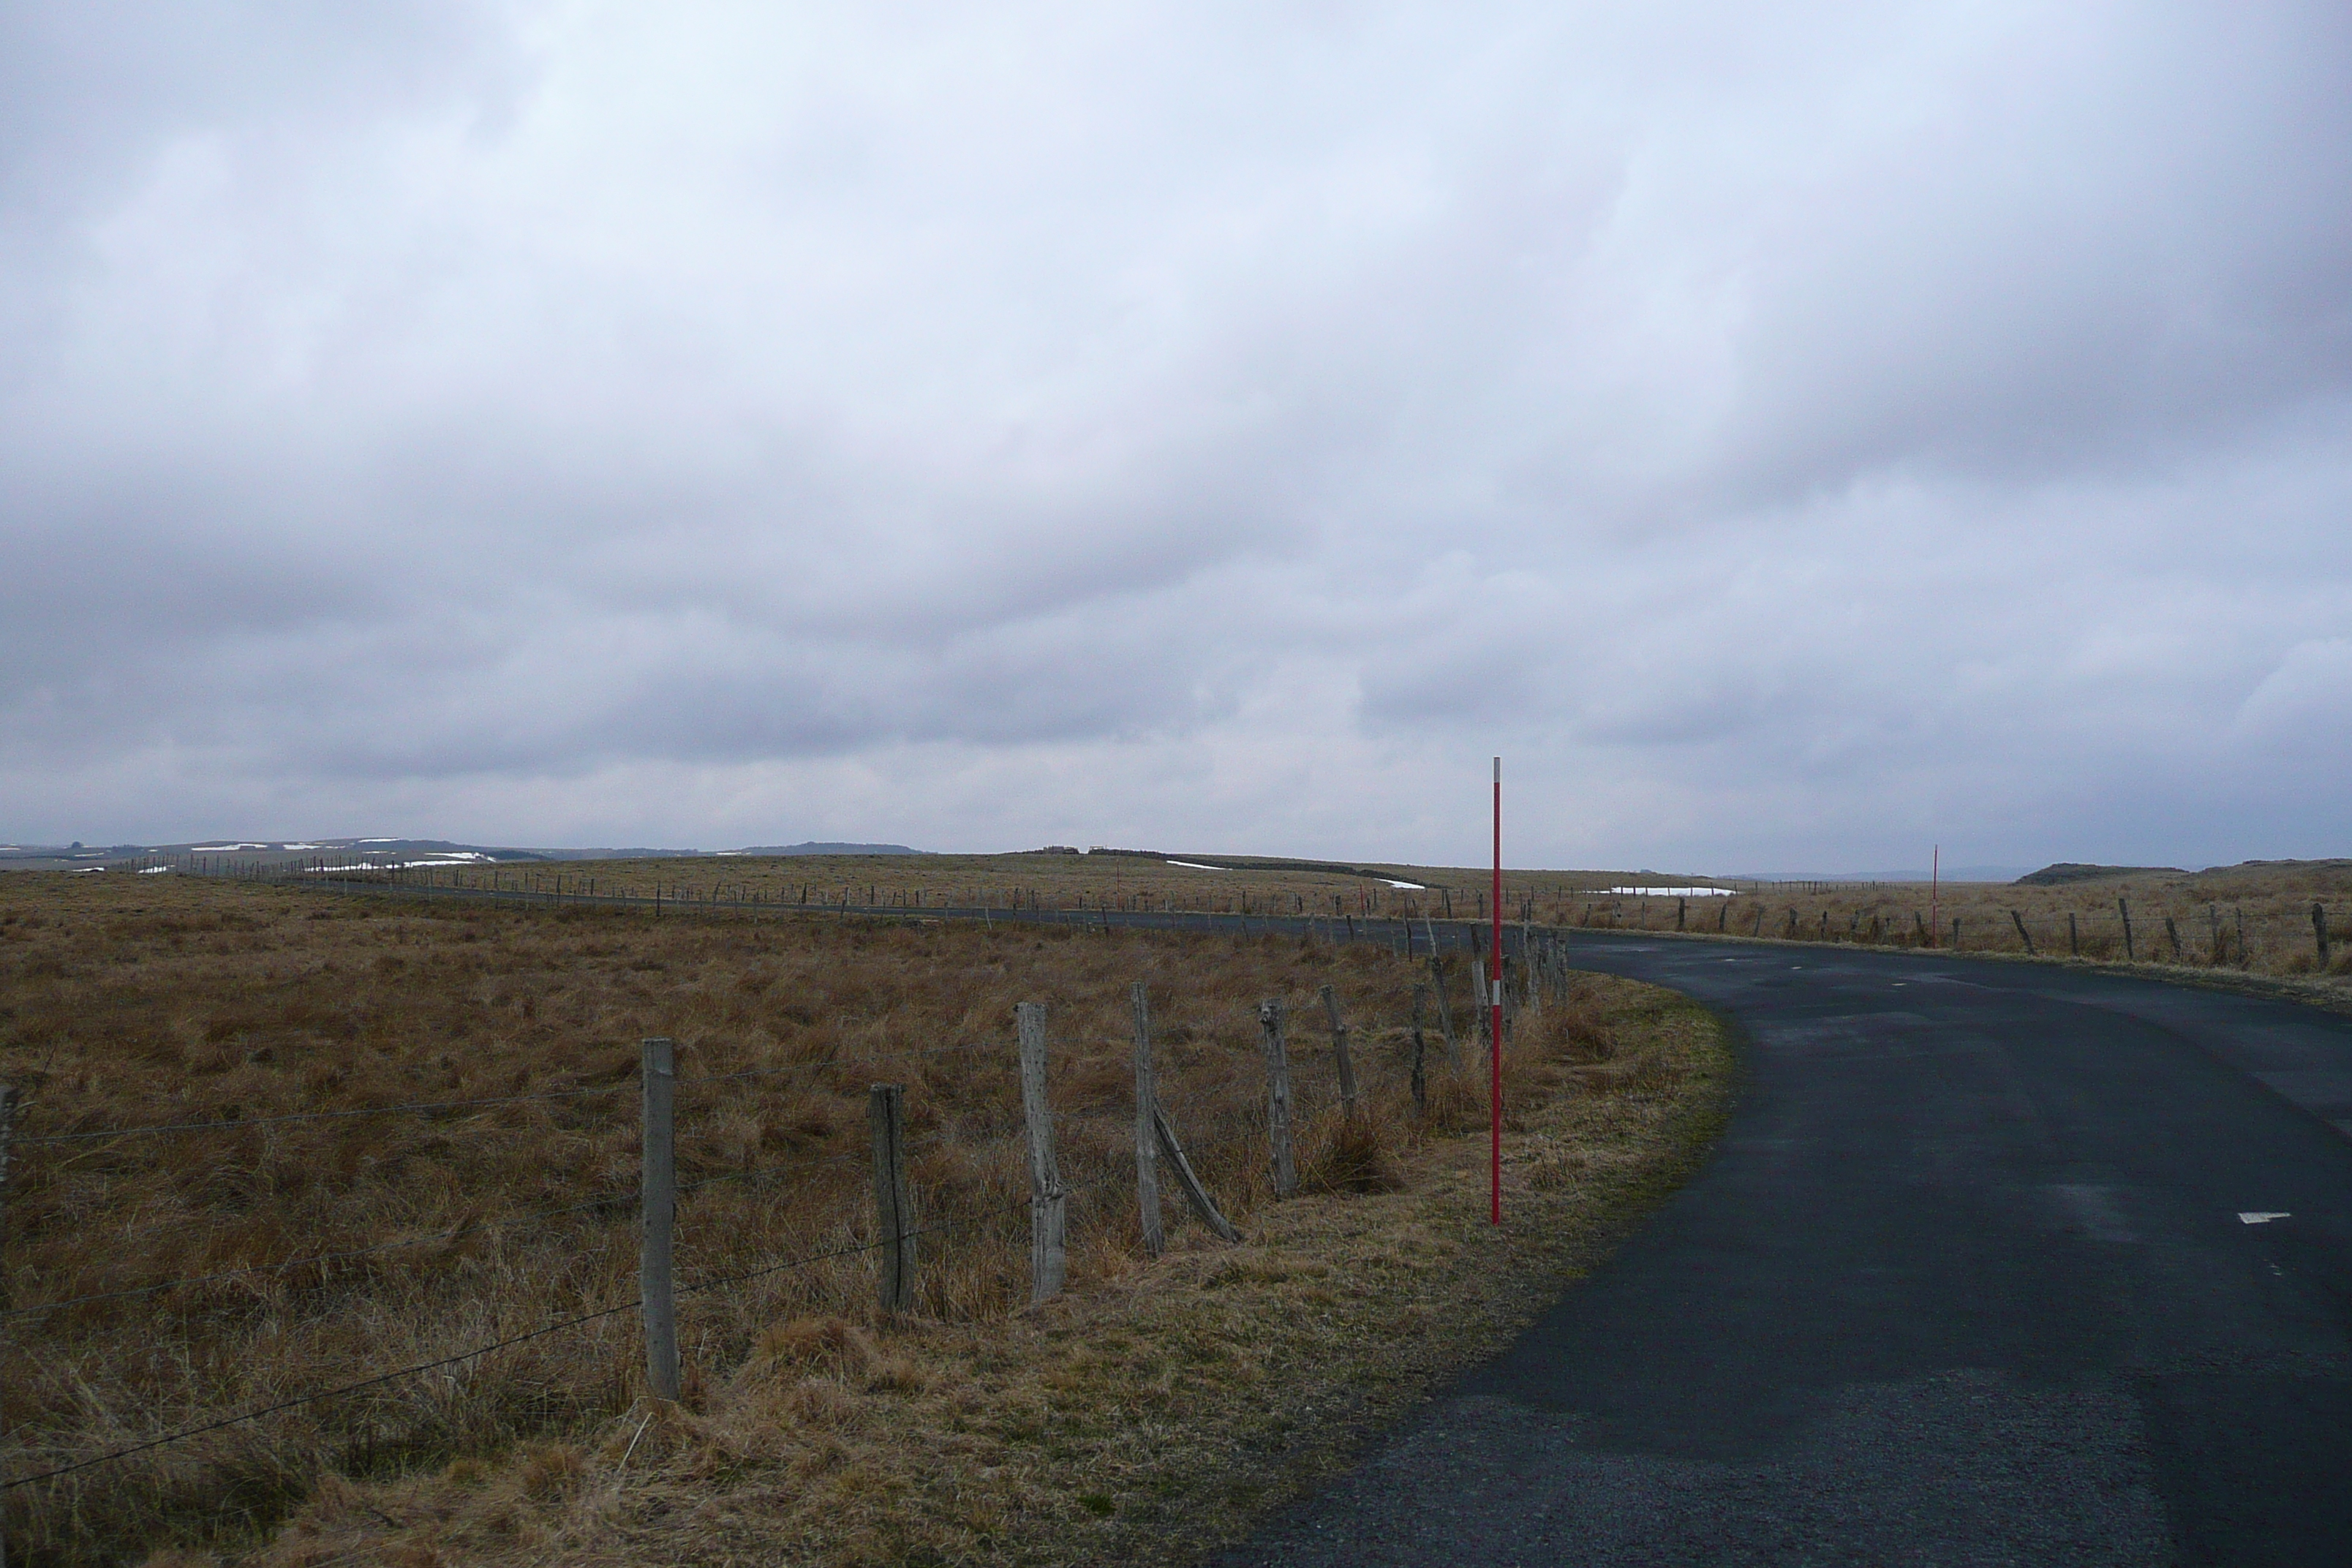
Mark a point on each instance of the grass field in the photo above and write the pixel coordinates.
(312, 1253)
(2254, 918)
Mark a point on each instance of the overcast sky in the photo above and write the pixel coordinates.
(1791, 435)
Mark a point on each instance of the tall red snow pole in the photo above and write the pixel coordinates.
(1494, 1016)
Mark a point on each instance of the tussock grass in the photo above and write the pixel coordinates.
(170, 1000)
(1143, 1419)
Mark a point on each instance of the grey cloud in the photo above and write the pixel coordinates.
(1788, 434)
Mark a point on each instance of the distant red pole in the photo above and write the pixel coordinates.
(1495, 1016)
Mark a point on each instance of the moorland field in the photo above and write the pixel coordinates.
(384, 1133)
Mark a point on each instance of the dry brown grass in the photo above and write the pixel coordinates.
(2253, 919)
(1052, 881)
(164, 1000)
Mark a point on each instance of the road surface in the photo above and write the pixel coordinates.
(1978, 1274)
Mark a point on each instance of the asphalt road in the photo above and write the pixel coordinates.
(1967, 1282)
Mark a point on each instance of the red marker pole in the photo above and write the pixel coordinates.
(1495, 1014)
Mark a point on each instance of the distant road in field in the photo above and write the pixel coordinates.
(1979, 1273)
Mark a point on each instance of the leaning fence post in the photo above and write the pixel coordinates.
(2024, 935)
(658, 1214)
(1048, 1201)
(894, 1210)
(1146, 1138)
(1278, 1074)
(1195, 1193)
(2123, 909)
(1347, 1063)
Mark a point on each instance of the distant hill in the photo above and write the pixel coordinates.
(813, 847)
(2066, 871)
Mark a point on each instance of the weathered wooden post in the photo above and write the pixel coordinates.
(1420, 1052)
(658, 1214)
(2172, 934)
(8, 1128)
(1682, 911)
(1347, 1063)
(1048, 1200)
(1445, 1014)
(2319, 930)
(1147, 1136)
(894, 1210)
(1195, 1193)
(1277, 1075)
(2074, 937)
(2022, 934)
(2123, 909)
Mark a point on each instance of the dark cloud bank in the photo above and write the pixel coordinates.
(1792, 435)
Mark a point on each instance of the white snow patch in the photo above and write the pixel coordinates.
(1672, 893)
(223, 848)
(153, 870)
(1196, 866)
(1416, 887)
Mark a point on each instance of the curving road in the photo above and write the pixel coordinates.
(1967, 1282)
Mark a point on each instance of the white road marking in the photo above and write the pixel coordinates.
(2261, 1218)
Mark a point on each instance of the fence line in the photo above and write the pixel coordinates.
(696, 1287)
(234, 1124)
(1154, 1114)
(612, 1200)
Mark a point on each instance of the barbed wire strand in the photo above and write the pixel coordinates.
(609, 1200)
(696, 1287)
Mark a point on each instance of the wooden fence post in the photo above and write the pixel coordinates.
(1347, 1063)
(1681, 909)
(2024, 936)
(1420, 1052)
(1278, 1074)
(1444, 1015)
(1048, 1200)
(8, 1128)
(2074, 937)
(2123, 909)
(894, 1210)
(658, 1214)
(2319, 930)
(2172, 933)
(1195, 1193)
(1147, 1136)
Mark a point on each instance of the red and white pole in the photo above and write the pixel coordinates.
(1495, 1016)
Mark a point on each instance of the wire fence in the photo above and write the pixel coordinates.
(1318, 1082)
